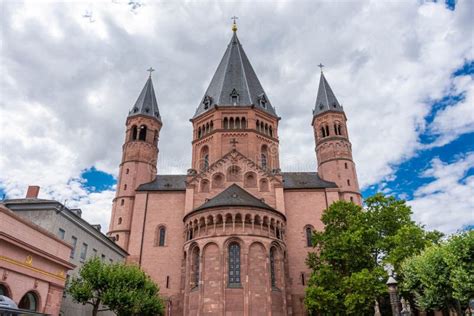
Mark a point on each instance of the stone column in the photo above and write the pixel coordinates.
(393, 292)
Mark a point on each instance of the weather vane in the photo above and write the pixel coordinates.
(321, 66)
(234, 25)
(150, 70)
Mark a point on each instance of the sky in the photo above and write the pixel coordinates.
(403, 71)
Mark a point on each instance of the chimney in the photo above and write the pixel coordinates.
(32, 192)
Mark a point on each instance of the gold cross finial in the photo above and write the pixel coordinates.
(234, 25)
(150, 70)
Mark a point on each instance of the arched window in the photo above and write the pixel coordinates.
(327, 130)
(345, 165)
(264, 156)
(335, 129)
(211, 126)
(117, 237)
(195, 268)
(155, 138)
(231, 123)
(134, 133)
(142, 134)
(258, 125)
(226, 123)
(243, 123)
(250, 180)
(237, 123)
(266, 129)
(234, 264)
(119, 220)
(309, 235)
(4, 291)
(29, 301)
(127, 171)
(208, 128)
(264, 185)
(205, 186)
(199, 132)
(348, 182)
(204, 158)
(272, 267)
(218, 180)
(339, 130)
(122, 202)
(270, 130)
(262, 127)
(234, 174)
(323, 132)
(161, 236)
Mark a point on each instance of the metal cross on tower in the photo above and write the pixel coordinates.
(321, 66)
(150, 70)
(234, 25)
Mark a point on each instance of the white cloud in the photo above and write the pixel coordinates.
(456, 119)
(447, 202)
(67, 84)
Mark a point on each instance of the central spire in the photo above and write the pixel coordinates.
(235, 82)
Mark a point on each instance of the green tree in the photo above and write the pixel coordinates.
(125, 289)
(356, 244)
(442, 276)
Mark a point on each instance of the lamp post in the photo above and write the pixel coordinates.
(392, 291)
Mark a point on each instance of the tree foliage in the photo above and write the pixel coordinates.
(125, 289)
(348, 268)
(442, 276)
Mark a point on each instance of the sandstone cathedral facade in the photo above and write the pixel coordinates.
(231, 236)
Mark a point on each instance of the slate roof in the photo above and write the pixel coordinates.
(146, 103)
(235, 75)
(326, 100)
(234, 196)
(165, 182)
(291, 180)
(305, 180)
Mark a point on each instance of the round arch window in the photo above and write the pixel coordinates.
(4, 290)
(29, 301)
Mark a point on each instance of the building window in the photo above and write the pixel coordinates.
(4, 291)
(122, 202)
(102, 257)
(345, 165)
(309, 235)
(94, 252)
(74, 243)
(302, 279)
(264, 185)
(111, 261)
(127, 171)
(234, 96)
(83, 251)
(195, 268)
(205, 186)
(234, 264)
(61, 233)
(264, 156)
(29, 301)
(119, 220)
(161, 236)
(125, 187)
(167, 281)
(134, 133)
(348, 182)
(204, 158)
(226, 123)
(117, 237)
(272, 267)
(142, 133)
(352, 199)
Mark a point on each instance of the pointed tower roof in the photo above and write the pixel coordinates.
(235, 82)
(326, 100)
(146, 103)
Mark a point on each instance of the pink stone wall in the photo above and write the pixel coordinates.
(32, 260)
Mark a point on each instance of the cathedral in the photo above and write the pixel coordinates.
(229, 237)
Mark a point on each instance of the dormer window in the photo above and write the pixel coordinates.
(262, 101)
(207, 102)
(135, 110)
(234, 97)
